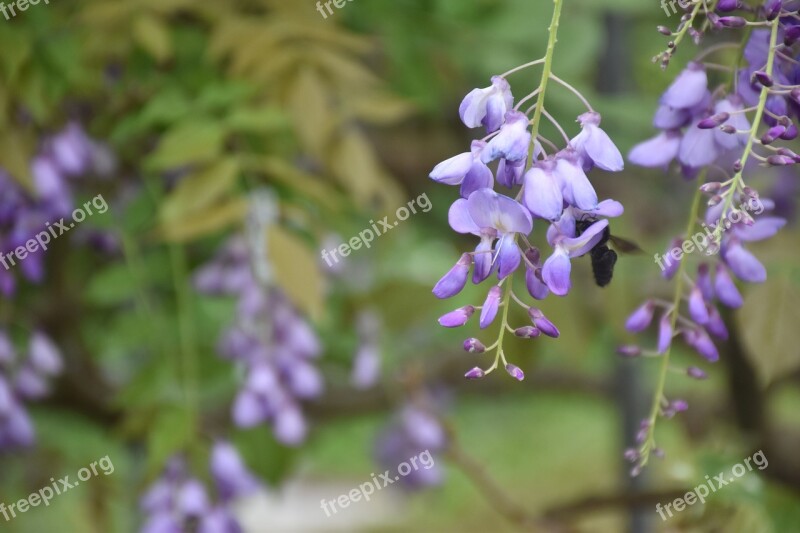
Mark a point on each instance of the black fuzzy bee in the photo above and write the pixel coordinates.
(603, 257)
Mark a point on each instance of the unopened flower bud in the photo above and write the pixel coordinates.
(790, 134)
(780, 160)
(732, 22)
(629, 351)
(728, 129)
(543, 323)
(750, 192)
(772, 8)
(454, 281)
(696, 373)
(773, 133)
(713, 121)
(475, 373)
(725, 6)
(763, 78)
(527, 332)
(631, 454)
(714, 200)
(641, 317)
(790, 35)
(515, 372)
(473, 345)
(711, 187)
(663, 30)
(457, 318)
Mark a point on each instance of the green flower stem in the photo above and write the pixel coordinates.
(649, 443)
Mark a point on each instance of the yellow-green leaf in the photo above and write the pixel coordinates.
(198, 191)
(190, 142)
(201, 224)
(152, 34)
(296, 271)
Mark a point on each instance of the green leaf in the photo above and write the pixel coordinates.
(768, 322)
(191, 142)
(199, 190)
(152, 34)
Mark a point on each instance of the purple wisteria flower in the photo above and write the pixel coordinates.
(551, 187)
(177, 501)
(22, 381)
(273, 343)
(721, 136)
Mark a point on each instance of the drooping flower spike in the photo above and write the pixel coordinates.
(551, 187)
(717, 137)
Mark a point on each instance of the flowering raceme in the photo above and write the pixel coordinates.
(24, 381)
(270, 340)
(508, 181)
(179, 502)
(718, 134)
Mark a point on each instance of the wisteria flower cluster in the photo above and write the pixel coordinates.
(63, 158)
(273, 343)
(415, 429)
(179, 502)
(719, 134)
(22, 381)
(551, 187)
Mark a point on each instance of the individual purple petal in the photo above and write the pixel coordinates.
(671, 265)
(609, 208)
(509, 174)
(483, 260)
(583, 243)
(595, 143)
(453, 170)
(231, 476)
(457, 318)
(664, 333)
(459, 218)
(542, 193)
(744, 264)
(702, 343)
(304, 380)
(696, 373)
(556, 272)
(454, 281)
(656, 152)
(478, 177)
(491, 210)
(536, 287)
(578, 191)
(726, 289)
(290, 426)
(490, 307)
(30, 384)
(248, 411)
(716, 326)
(43, 355)
(641, 318)
(487, 106)
(508, 256)
(763, 228)
(698, 147)
(513, 141)
(697, 306)
(703, 281)
(668, 118)
(192, 499)
(688, 89)
(366, 366)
